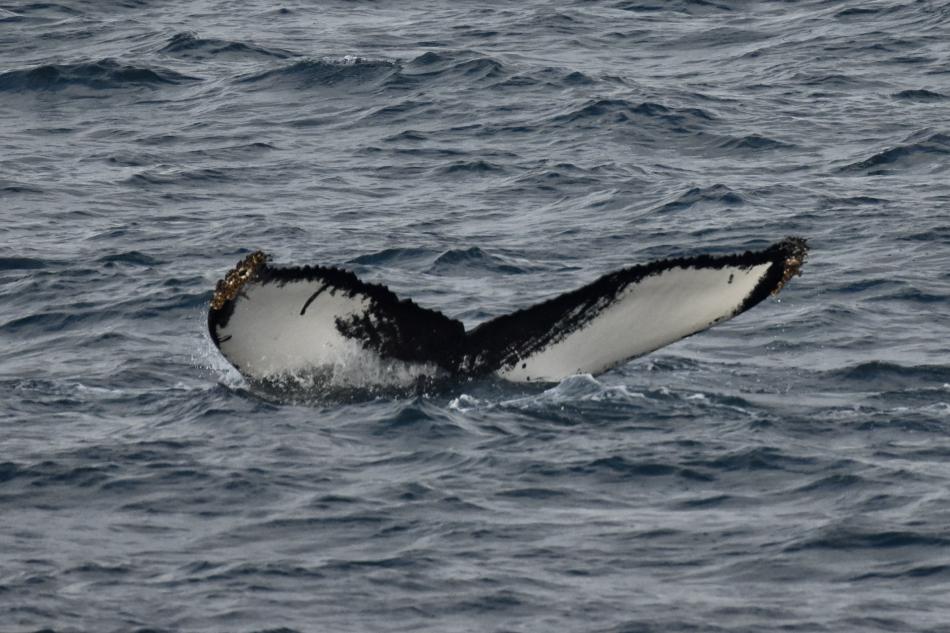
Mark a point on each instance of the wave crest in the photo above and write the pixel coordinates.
(105, 74)
(189, 45)
(919, 152)
(350, 71)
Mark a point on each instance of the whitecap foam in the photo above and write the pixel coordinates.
(351, 372)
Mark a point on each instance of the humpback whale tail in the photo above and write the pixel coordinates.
(276, 321)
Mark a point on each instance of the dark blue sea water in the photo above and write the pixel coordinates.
(786, 471)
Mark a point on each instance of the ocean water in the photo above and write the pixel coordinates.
(786, 471)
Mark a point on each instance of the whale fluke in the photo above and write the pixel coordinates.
(274, 321)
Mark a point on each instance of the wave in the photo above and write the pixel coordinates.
(461, 261)
(863, 285)
(907, 292)
(908, 571)
(719, 195)
(105, 74)
(134, 258)
(913, 154)
(389, 256)
(571, 78)
(937, 234)
(22, 263)
(611, 112)
(10, 187)
(466, 66)
(470, 167)
(471, 260)
(349, 71)
(548, 77)
(402, 111)
(759, 458)
(42, 11)
(619, 466)
(224, 153)
(557, 177)
(408, 135)
(754, 142)
(719, 36)
(688, 7)
(581, 399)
(832, 483)
(921, 95)
(51, 472)
(164, 176)
(831, 202)
(891, 374)
(429, 152)
(597, 114)
(845, 538)
(51, 321)
(190, 46)
(862, 12)
(838, 81)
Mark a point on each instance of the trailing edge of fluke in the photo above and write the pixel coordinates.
(270, 321)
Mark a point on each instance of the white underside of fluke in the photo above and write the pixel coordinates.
(659, 309)
(268, 338)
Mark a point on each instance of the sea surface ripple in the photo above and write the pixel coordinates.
(787, 471)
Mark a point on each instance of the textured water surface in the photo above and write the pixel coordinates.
(785, 471)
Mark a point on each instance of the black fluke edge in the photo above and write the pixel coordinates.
(400, 329)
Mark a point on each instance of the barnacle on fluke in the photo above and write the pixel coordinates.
(796, 252)
(228, 288)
